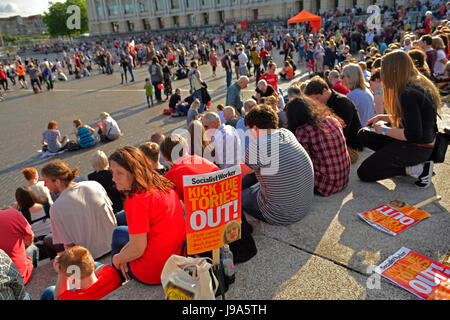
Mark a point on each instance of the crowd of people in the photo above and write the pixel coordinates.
(382, 92)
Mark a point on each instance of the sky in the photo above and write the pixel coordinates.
(23, 8)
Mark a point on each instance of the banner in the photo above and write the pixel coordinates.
(213, 209)
(420, 275)
(394, 217)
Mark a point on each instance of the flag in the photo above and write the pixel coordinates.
(244, 24)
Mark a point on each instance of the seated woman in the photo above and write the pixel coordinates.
(199, 144)
(34, 210)
(108, 128)
(273, 102)
(320, 132)
(353, 79)
(51, 138)
(288, 72)
(103, 175)
(156, 226)
(404, 138)
(83, 132)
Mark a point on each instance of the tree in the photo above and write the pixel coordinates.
(57, 18)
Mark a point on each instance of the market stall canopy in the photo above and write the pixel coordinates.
(305, 16)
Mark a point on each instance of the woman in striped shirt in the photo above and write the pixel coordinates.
(83, 133)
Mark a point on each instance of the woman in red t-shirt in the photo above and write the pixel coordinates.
(156, 226)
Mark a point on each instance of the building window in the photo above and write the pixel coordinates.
(128, 6)
(175, 22)
(174, 4)
(205, 3)
(190, 4)
(159, 5)
(191, 19)
(115, 27)
(161, 23)
(146, 24)
(112, 8)
(142, 6)
(99, 7)
(130, 25)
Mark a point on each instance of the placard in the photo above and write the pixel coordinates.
(420, 275)
(213, 209)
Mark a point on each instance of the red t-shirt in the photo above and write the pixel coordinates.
(339, 87)
(108, 280)
(161, 217)
(263, 54)
(13, 228)
(428, 25)
(271, 79)
(188, 166)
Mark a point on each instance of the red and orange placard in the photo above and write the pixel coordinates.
(420, 275)
(213, 209)
(394, 217)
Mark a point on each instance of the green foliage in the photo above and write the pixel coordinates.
(56, 18)
(13, 40)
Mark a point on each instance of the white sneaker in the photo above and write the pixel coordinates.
(424, 180)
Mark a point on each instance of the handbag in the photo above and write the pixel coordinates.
(440, 147)
(187, 278)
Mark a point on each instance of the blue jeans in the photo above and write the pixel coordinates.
(198, 95)
(121, 218)
(150, 99)
(33, 252)
(229, 77)
(49, 293)
(182, 108)
(250, 202)
(130, 70)
(119, 239)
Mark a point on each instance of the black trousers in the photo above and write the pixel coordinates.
(4, 83)
(391, 156)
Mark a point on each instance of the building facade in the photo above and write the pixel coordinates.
(122, 16)
(23, 26)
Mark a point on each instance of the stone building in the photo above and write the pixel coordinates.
(23, 26)
(122, 16)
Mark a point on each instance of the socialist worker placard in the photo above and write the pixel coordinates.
(420, 275)
(213, 209)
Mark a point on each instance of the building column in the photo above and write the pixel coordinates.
(184, 21)
(307, 5)
(213, 17)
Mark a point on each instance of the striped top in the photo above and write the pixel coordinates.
(86, 139)
(285, 173)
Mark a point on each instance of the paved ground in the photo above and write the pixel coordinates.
(324, 256)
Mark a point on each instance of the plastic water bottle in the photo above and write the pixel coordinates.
(226, 260)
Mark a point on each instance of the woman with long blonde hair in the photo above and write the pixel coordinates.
(403, 139)
(353, 79)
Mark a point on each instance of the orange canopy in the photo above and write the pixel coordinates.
(305, 16)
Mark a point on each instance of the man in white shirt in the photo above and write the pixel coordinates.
(82, 214)
(243, 59)
(226, 141)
